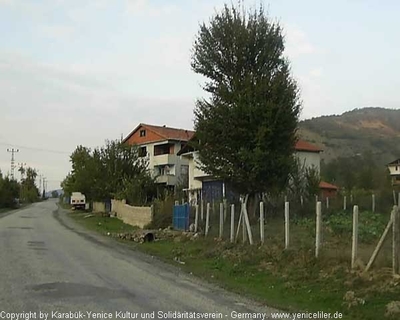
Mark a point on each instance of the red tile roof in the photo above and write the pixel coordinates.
(170, 133)
(326, 185)
(165, 132)
(302, 145)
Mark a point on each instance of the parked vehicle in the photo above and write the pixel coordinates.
(78, 200)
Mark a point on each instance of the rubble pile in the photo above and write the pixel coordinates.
(142, 236)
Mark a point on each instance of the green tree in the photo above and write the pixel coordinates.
(9, 191)
(122, 166)
(112, 171)
(247, 127)
(82, 177)
(29, 190)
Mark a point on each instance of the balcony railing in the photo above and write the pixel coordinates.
(167, 179)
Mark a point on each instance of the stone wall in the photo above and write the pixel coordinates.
(135, 216)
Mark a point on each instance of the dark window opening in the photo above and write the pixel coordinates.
(164, 170)
(162, 149)
(142, 152)
(142, 133)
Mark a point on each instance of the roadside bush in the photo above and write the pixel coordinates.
(163, 213)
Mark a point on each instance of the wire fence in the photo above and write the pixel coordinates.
(293, 226)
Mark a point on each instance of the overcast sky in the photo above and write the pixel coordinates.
(79, 72)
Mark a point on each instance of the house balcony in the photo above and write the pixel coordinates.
(164, 159)
(168, 179)
(395, 180)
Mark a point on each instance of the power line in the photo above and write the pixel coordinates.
(35, 149)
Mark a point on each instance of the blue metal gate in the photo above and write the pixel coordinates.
(181, 217)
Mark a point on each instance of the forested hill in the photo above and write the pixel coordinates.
(367, 131)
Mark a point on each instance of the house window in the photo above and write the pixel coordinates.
(162, 149)
(142, 133)
(142, 151)
(396, 168)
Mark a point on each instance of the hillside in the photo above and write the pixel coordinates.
(369, 130)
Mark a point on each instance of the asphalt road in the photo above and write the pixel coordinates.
(50, 264)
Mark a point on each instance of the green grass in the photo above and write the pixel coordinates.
(293, 280)
(289, 280)
(101, 224)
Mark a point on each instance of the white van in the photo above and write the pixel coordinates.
(78, 200)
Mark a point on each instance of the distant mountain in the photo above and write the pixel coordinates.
(374, 131)
(59, 191)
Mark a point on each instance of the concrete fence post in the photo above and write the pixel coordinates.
(318, 230)
(232, 223)
(287, 238)
(207, 219)
(262, 222)
(221, 220)
(243, 224)
(196, 219)
(354, 247)
(327, 202)
(202, 209)
(395, 245)
(373, 203)
(344, 203)
(398, 199)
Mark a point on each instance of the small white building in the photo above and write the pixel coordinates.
(161, 144)
(308, 154)
(394, 170)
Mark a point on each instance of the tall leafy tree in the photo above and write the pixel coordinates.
(247, 126)
(29, 190)
(122, 164)
(9, 191)
(112, 171)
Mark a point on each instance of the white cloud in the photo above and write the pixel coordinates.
(6, 2)
(313, 93)
(146, 8)
(53, 106)
(57, 32)
(316, 72)
(297, 43)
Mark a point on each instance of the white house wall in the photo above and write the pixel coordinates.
(193, 182)
(309, 159)
(394, 170)
(196, 175)
(170, 159)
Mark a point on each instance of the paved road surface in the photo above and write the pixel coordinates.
(48, 263)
